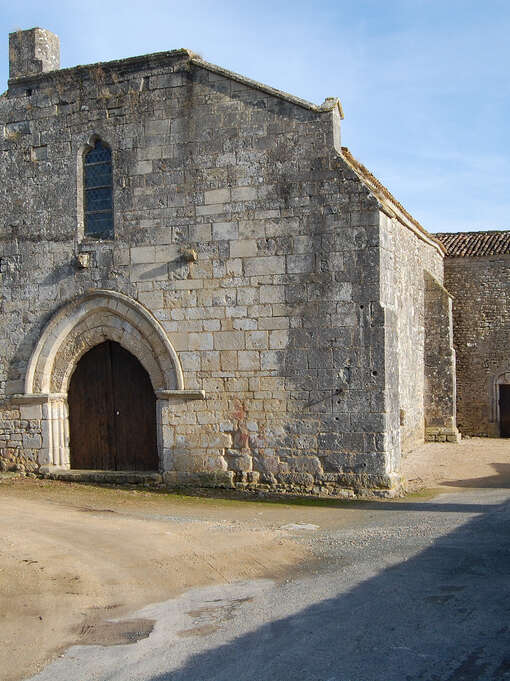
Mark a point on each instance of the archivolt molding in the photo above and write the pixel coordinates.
(91, 319)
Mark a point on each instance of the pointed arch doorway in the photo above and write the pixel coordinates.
(112, 412)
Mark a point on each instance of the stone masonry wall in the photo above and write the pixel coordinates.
(481, 314)
(405, 262)
(278, 319)
(440, 365)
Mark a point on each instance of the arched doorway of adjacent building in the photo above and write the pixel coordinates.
(112, 412)
(504, 410)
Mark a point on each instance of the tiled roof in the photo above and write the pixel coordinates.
(475, 244)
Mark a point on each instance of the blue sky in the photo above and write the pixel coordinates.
(424, 83)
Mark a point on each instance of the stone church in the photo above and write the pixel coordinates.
(198, 280)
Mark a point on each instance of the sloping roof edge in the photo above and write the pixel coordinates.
(329, 103)
(389, 203)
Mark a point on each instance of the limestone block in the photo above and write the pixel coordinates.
(200, 341)
(167, 252)
(210, 361)
(32, 441)
(224, 231)
(157, 127)
(217, 196)
(268, 464)
(300, 263)
(199, 479)
(238, 461)
(195, 463)
(190, 361)
(251, 229)
(272, 294)
(30, 411)
(278, 339)
(244, 193)
(215, 440)
(248, 360)
(244, 324)
(274, 323)
(228, 340)
(142, 168)
(304, 464)
(272, 359)
(243, 248)
(257, 340)
(151, 299)
(44, 457)
(200, 233)
(212, 209)
(264, 265)
(303, 481)
(228, 360)
(142, 254)
(149, 272)
(247, 295)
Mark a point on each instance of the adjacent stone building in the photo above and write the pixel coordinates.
(477, 274)
(196, 277)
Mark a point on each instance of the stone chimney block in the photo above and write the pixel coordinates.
(33, 51)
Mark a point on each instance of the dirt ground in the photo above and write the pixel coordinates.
(72, 556)
(473, 462)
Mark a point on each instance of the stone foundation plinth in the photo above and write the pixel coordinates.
(442, 435)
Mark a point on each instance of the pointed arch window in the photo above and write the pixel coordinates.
(98, 191)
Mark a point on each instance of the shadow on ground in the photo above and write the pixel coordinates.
(442, 615)
(500, 480)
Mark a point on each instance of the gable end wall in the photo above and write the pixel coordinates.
(245, 235)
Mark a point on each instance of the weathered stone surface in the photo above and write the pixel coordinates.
(481, 332)
(300, 313)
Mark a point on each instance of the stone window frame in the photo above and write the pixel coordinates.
(80, 189)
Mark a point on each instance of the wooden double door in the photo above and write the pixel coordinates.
(112, 412)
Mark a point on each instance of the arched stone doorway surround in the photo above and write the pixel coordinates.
(501, 377)
(78, 326)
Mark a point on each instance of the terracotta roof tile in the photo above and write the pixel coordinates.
(475, 244)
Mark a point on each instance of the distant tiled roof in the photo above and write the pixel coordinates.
(475, 244)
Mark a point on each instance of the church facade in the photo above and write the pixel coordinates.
(198, 279)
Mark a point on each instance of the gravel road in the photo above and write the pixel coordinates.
(404, 591)
(122, 585)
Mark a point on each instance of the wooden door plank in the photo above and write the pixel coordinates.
(88, 413)
(111, 463)
(134, 413)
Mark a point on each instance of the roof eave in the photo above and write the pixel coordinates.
(388, 204)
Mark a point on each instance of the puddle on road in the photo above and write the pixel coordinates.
(204, 630)
(115, 633)
(208, 618)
